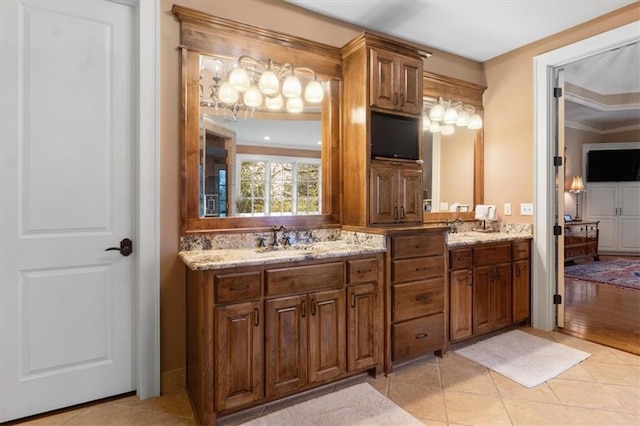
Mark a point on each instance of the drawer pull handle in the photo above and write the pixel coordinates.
(422, 336)
(422, 298)
(304, 309)
(313, 307)
(353, 300)
(246, 287)
(257, 316)
(365, 271)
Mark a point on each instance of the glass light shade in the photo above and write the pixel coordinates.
(268, 83)
(436, 113)
(239, 79)
(227, 94)
(576, 184)
(463, 119)
(253, 97)
(314, 93)
(425, 123)
(450, 116)
(447, 129)
(295, 105)
(434, 127)
(291, 88)
(274, 102)
(475, 122)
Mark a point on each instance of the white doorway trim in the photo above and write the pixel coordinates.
(147, 333)
(543, 273)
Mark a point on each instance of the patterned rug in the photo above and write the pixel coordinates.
(623, 273)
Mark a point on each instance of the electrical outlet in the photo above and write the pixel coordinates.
(526, 209)
(507, 209)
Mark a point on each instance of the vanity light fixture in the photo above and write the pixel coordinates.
(443, 116)
(249, 84)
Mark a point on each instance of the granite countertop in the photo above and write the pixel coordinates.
(230, 258)
(474, 237)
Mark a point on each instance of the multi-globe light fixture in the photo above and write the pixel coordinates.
(440, 116)
(249, 84)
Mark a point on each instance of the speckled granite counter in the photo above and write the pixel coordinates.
(470, 238)
(336, 245)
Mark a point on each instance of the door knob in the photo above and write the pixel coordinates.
(125, 249)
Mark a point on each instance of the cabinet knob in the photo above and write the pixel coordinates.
(422, 336)
(422, 298)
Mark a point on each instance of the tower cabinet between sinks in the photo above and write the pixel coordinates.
(489, 287)
(259, 333)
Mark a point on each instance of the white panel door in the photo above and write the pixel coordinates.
(601, 200)
(629, 216)
(68, 132)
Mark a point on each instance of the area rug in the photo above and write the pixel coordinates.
(356, 405)
(522, 357)
(623, 273)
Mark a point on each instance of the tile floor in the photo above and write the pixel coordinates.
(603, 390)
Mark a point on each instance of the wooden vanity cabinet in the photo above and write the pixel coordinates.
(258, 333)
(395, 81)
(489, 287)
(395, 193)
(417, 294)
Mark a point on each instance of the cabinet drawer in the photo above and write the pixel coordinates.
(460, 259)
(520, 250)
(362, 271)
(417, 245)
(302, 279)
(417, 299)
(592, 248)
(418, 336)
(575, 251)
(421, 268)
(491, 255)
(237, 287)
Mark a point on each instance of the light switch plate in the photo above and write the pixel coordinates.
(526, 209)
(507, 209)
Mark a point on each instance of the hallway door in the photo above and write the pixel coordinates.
(67, 176)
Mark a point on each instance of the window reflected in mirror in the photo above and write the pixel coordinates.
(258, 159)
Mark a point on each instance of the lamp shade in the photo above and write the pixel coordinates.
(295, 105)
(314, 93)
(475, 122)
(268, 83)
(253, 97)
(291, 88)
(450, 116)
(274, 102)
(436, 113)
(577, 185)
(239, 79)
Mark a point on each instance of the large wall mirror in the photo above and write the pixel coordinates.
(254, 162)
(453, 168)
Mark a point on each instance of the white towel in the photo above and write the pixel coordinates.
(486, 212)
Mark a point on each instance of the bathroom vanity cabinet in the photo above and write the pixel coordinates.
(258, 333)
(395, 81)
(489, 287)
(395, 193)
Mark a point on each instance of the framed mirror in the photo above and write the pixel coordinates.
(255, 166)
(453, 168)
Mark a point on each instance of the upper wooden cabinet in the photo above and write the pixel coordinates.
(395, 82)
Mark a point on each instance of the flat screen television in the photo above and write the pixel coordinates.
(616, 165)
(394, 136)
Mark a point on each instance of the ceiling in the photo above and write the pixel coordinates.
(474, 29)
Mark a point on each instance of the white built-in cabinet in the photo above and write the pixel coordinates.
(616, 205)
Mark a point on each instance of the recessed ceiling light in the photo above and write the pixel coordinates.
(267, 138)
(319, 142)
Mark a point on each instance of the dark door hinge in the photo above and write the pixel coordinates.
(557, 92)
(557, 230)
(557, 299)
(557, 161)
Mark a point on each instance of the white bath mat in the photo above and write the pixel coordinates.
(522, 357)
(356, 405)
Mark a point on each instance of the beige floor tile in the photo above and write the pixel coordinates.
(174, 403)
(586, 416)
(617, 374)
(54, 419)
(583, 345)
(577, 372)
(536, 413)
(422, 402)
(597, 395)
(626, 357)
(461, 375)
(381, 384)
(110, 414)
(472, 409)
(421, 374)
(507, 388)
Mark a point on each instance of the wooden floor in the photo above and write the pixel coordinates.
(604, 314)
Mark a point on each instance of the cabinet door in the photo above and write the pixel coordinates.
(326, 335)
(410, 195)
(286, 344)
(461, 285)
(410, 85)
(383, 81)
(521, 290)
(239, 355)
(362, 339)
(501, 303)
(383, 197)
(482, 282)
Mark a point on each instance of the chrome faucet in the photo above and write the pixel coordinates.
(454, 224)
(275, 242)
